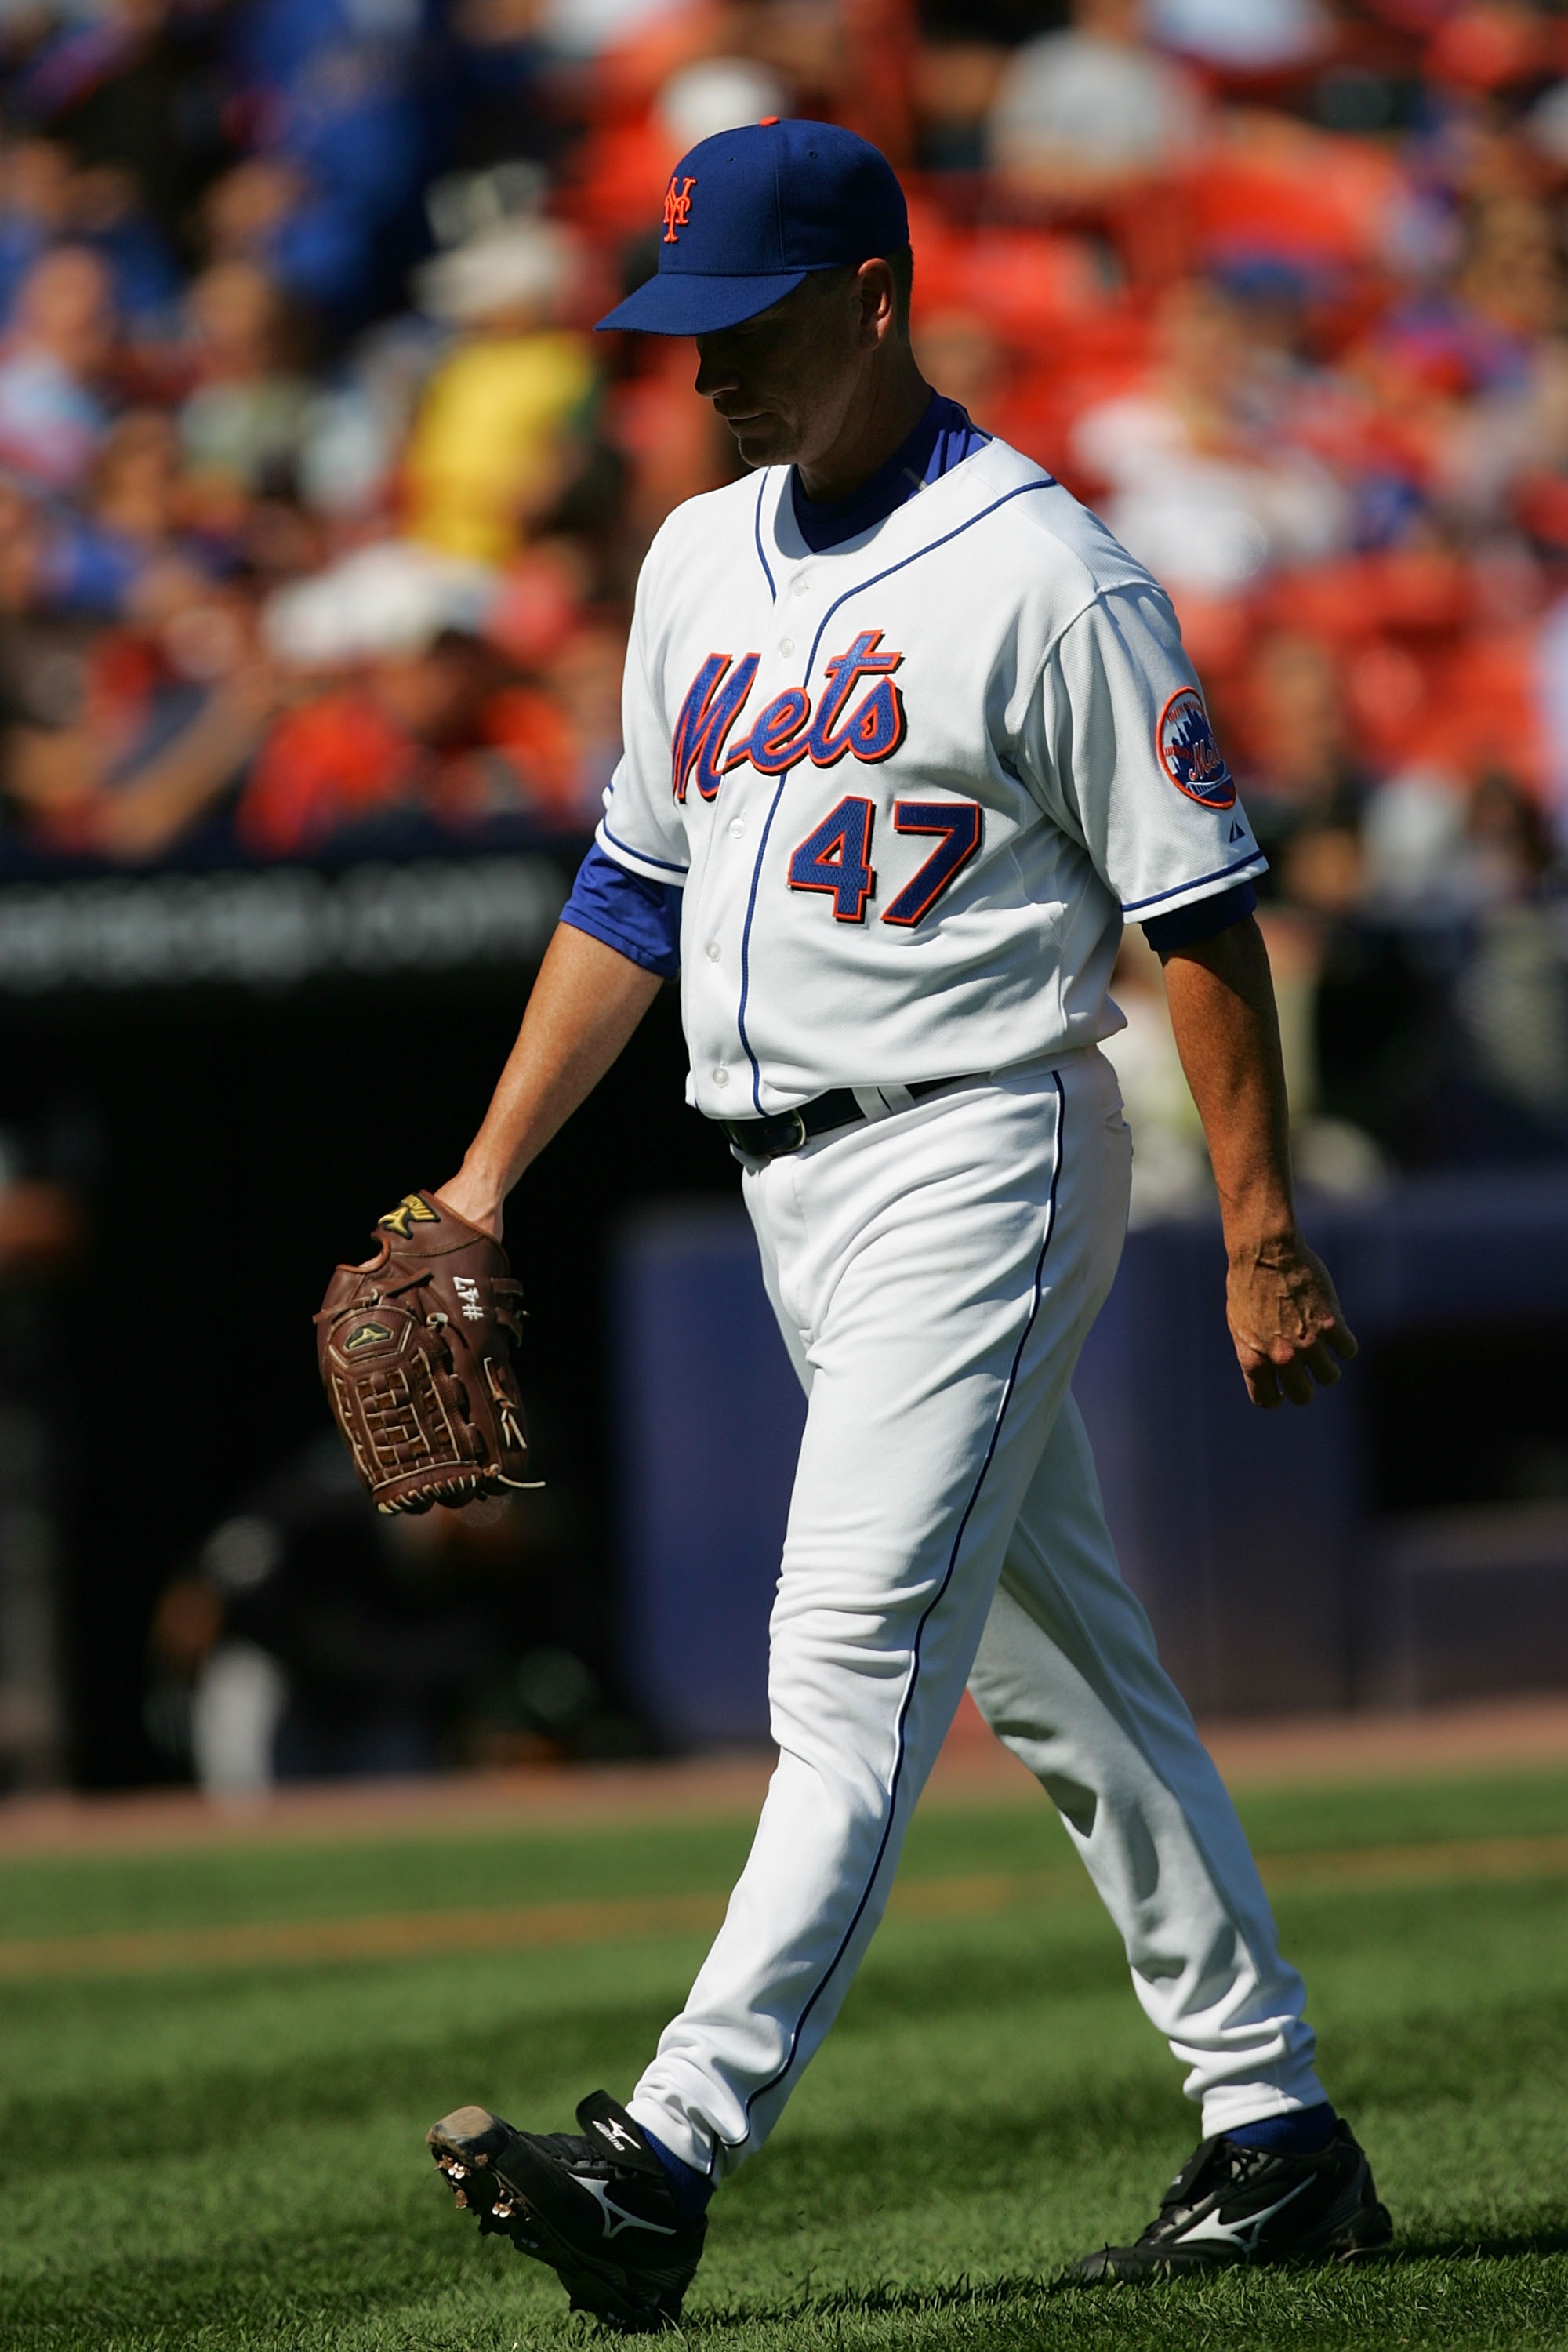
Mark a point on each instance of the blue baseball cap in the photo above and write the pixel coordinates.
(750, 214)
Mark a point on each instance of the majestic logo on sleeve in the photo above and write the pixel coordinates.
(1189, 754)
(789, 728)
(677, 208)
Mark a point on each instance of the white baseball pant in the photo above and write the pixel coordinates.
(934, 1273)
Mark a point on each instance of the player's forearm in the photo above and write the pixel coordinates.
(585, 1005)
(1221, 998)
(1284, 1316)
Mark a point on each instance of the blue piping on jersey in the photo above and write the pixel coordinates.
(1253, 857)
(746, 947)
(1007, 1393)
(1046, 482)
(642, 856)
(757, 535)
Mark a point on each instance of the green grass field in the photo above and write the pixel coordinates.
(224, 2147)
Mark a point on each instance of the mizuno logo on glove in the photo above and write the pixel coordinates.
(410, 1210)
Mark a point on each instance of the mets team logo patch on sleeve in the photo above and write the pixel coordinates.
(1189, 754)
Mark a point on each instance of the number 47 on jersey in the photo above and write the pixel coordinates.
(836, 856)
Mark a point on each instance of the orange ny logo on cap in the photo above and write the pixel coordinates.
(677, 208)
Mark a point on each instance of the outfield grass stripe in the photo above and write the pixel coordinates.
(398, 1935)
(1339, 1870)
(610, 1919)
(1440, 1862)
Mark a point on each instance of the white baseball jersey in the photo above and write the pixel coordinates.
(910, 786)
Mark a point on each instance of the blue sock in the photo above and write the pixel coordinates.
(1302, 2133)
(692, 2188)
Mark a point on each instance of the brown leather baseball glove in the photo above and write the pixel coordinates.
(415, 1353)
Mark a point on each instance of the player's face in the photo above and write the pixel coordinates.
(786, 381)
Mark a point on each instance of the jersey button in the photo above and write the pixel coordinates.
(721, 1076)
(714, 951)
(786, 645)
(737, 827)
(801, 588)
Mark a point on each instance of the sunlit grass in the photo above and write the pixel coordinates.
(232, 2156)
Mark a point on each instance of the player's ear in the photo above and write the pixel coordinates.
(878, 301)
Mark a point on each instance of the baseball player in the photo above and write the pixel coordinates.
(909, 736)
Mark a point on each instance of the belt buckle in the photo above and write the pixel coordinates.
(800, 1136)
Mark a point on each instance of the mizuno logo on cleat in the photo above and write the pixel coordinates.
(1243, 2235)
(616, 2134)
(617, 2218)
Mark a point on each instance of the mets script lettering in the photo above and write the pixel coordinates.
(788, 729)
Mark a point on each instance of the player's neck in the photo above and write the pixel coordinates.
(876, 426)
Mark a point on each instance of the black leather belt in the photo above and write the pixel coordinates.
(786, 1130)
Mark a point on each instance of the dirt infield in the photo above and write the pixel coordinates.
(1298, 1750)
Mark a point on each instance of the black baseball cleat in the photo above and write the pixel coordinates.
(600, 2209)
(1231, 2204)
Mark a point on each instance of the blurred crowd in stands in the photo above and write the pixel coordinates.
(321, 505)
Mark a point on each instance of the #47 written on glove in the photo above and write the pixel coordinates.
(416, 1355)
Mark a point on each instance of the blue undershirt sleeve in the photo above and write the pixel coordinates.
(641, 920)
(1190, 924)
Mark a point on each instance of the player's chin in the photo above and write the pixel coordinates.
(764, 441)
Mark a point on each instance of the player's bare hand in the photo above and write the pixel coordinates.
(1285, 1317)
